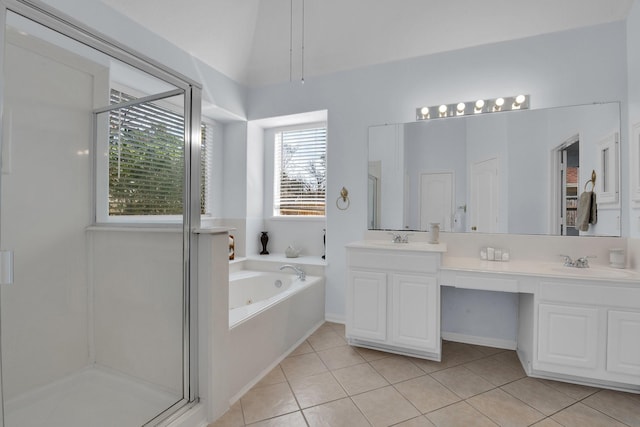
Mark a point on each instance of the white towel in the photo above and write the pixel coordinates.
(587, 212)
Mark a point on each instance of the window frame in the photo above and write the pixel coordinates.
(101, 169)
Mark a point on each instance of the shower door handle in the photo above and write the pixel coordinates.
(6, 267)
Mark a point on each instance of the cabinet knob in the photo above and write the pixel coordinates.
(474, 228)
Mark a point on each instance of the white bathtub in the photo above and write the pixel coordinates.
(276, 321)
(251, 292)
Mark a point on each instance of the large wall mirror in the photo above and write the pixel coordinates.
(520, 172)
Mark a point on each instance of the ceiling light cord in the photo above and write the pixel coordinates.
(302, 81)
(291, 42)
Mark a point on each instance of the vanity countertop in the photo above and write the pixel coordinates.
(389, 245)
(546, 269)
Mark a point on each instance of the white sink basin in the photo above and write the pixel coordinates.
(595, 272)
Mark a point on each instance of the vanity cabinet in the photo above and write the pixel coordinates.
(393, 301)
(589, 330)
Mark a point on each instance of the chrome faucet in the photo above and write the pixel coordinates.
(299, 271)
(568, 262)
(399, 238)
(582, 262)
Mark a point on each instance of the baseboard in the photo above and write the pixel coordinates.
(335, 318)
(485, 341)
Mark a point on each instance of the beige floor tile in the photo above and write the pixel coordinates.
(231, 418)
(371, 355)
(303, 348)
(580, 415)
(385, 406)
(339, 328)
(316, 389)
(267, 402)
(623, 407)
(487, 351)
(538, 395)
(453, 354)
(397, 368)
(359, 378)
(340, 357)
(426, 394)
(339, 413)
(462, 381)
(575, 391)
(496, 370)
(505, 409)
(421, 421)
(458, 415)
(547, 422)
(302, 366)
(326, 339)
(274, 377)
(295, 419)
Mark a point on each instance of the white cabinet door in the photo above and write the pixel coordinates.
(367, 305)
(623, 342)
(568, 335)
(414, 312)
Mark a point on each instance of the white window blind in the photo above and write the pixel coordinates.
(146, 159)
(206, 166)
(300, 172)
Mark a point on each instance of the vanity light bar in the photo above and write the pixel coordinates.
(509, 103)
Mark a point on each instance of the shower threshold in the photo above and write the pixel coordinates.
(92, 397)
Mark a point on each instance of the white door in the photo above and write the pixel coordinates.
(415, 314)
(623, 342)
(484, 196)
(568, 335)
(367, 305)
(436, 200)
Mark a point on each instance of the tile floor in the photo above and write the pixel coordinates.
(325, 382)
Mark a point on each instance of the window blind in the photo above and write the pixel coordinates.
(146, 159)
(300, 172)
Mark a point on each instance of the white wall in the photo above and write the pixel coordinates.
(136, 282)
(566, 68)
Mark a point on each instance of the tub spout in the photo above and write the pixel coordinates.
(299, 271)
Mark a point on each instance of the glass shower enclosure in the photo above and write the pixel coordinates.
(96, 208)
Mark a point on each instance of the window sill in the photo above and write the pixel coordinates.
(299, 218)
(169, 228)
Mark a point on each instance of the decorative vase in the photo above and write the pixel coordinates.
(324, 243)
(264, 239)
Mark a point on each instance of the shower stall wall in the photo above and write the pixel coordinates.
(96, 327)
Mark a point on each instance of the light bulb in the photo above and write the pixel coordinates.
(520, 99)
(499, 102)
(442, 109)
(479, 104)
(424, 111)
(460, 107)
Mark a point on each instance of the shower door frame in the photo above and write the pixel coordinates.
(49, 17)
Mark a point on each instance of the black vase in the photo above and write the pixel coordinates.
(264, 239)
(324, 243)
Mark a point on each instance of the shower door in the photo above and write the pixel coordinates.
(95, 206)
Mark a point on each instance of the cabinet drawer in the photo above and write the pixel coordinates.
(388, 260)
(589, 294)
(485, 283)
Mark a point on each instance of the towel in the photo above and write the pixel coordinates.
(587, 211)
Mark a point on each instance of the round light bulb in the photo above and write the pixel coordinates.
(499, 102)
(479, 104)
(460, 107)
(442, 109)
(520, 99)
(424, 111)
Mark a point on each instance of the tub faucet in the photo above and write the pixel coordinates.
(299, 271)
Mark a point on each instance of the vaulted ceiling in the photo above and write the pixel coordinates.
(259, 42)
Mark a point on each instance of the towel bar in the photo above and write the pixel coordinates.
(592, 181)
